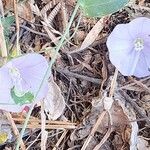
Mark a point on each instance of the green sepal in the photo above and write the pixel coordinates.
(27, 98)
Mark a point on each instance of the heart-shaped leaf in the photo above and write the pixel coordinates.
(99, 8)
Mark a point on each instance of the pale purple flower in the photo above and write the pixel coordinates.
(22, 75)
(129, 47)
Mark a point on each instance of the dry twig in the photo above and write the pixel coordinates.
(14, 128)
(60, 140)
(76, 75)
(44, 133)
(101, 116)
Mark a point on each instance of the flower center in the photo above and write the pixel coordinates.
(139, 44)
(16, 79)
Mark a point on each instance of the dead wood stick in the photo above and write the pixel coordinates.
(33, 31)
(76, 75)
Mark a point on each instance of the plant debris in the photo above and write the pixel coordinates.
(90, 105)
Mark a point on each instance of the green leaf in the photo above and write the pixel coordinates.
(27, 98)
(7, 22)
(99, 8)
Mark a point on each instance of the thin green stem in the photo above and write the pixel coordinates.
(75, 31)
(46, 76)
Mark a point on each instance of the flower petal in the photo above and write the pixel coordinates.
(141, 69)
(5, 87)
(29, 60)
(5, 81)
(143, 64)
(145, 27)
(32, 69)
(120, 46)
(121, 32)
(125, 63)
(6, 102)
(34, 86)
(135, 27)
(121, 42)
(34, 74)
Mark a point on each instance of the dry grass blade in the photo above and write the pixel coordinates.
(28, 148)
(44, 133)
(48, 126)
(2, 41)
(14, 128)
(50, 34)
(48, 21)
(91, 36)
(35, 120)
(64, 16)
(97, 147)
(53, 13)
(48, 6)
(35, 9)
(60, 140)
(104, 75)
(1, 8)
(93, 130)
(113, 83)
